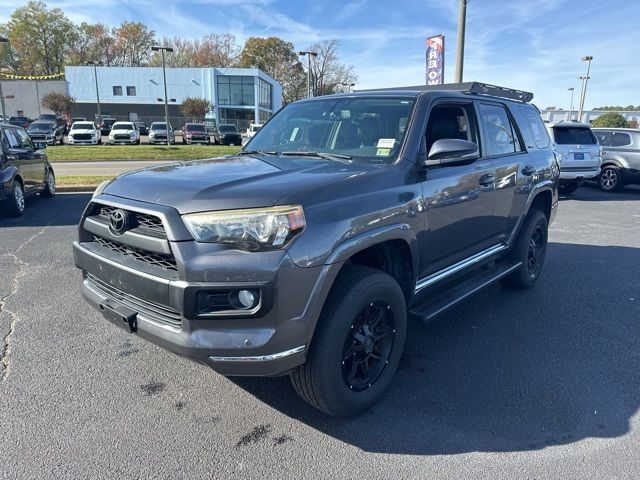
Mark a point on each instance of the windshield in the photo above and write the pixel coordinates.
(195, 128)
(109, 121)
(367, 129)
(82, 126)
(40, 127)
(227, 128)
(47, 117)
(573, 136)
(18, 119)
(122, 126)
(158, 126)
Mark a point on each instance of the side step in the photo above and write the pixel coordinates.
(444, 300)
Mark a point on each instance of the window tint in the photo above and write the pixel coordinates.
(535, 126)
(574, 135)
(449, 121)
(619, 139)
(117, 90)
(131, 91)
(23, 138)
(500, 135)
(604, 138)
(11, 139)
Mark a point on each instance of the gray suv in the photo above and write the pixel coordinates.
(307, 252)
(620, 157)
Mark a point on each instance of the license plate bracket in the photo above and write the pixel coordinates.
(578, 156)
(120, 315)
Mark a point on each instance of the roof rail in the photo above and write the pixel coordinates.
(477, 88)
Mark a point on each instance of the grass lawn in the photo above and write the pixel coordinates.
(86, 153)
(81, 180)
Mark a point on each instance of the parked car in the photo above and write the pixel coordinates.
(253, 128)
(106, 124)
(58, 120)
(305, 253)
(142, 128)
(210, 124)
(195, 133)
(84, 133)
(73, 120)
(227, 134)
(620, 157)
(46, 131)
(19, 121)
(124, 133)
(24, 169)
(158, 133)
(578, 152)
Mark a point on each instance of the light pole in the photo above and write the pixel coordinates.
(571, 89)
(348, 85)
(163, 49)
(95, 76)
(462, 22)
(585, 79)
(309, 55)
(4, 114)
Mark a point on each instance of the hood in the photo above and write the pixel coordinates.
(122, 132)
(82, 130)
(230, 182)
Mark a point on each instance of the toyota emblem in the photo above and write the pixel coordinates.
(118, 222)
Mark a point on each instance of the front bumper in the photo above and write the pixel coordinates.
(197, 140)
(272, 342)
(120, 141)
(73, 141)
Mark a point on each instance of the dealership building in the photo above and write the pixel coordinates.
(588, 116)
(237, 95)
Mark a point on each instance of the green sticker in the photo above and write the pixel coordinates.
(383, 152)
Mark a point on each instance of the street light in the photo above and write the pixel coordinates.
(584, 79)
(348, 85)
(571, 89)
(309, 55)
(462, 22)
(95, 76)
(163, 49)
(4, 114)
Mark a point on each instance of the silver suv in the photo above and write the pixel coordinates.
(620, 157)
(578, 152)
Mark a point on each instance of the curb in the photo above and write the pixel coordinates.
(75, 188)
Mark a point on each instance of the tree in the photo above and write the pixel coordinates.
(39, 38)
(278, 59)
(133, 41)
(633, 123)
(215, 50)
(195, 107)
(328, 73)
(610, 120)
(60, 103)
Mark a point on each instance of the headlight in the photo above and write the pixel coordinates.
(132, 134)
(100, 188)
(252, 229)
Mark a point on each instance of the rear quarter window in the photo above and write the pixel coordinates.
(574, 136)
(534, 125)
(620, 139)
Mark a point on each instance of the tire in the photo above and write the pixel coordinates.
(569, 188)
(15, 204)
(49, 186)
(62, 140)
(184, 142)
(333, 379)
(535, 229)
(610, 179)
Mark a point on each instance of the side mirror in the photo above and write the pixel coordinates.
(40, 145)
(452, 150)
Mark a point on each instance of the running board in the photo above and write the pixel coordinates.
(442, 301)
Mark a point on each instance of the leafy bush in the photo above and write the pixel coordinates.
(611, 120)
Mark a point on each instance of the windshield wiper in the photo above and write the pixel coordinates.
(324, 155)
(255, 152)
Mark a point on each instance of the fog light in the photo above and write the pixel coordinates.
(246, 298)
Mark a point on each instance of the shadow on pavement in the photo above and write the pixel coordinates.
(63, 209)
(508, 370)
(591, 192)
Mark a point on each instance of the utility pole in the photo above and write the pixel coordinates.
(584, 79)
(571, 89)
(166, 99)
(309, 55)
(4, 113)
(95, 77)
(462, 21)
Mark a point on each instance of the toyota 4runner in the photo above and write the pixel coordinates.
(345, 215)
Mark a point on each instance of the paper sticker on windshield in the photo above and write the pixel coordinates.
(386, 143)
(383, 152)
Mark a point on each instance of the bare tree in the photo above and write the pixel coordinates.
(328, 73)
(60, 103)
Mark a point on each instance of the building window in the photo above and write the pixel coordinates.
(117, 91)
(235, 90)
(131, 91)
(265, 95)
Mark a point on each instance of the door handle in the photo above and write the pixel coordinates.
(529, 170)
(11, 157)
(487, 179)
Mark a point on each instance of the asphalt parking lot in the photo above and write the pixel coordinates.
(543, 383)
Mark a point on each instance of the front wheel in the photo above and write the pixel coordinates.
(16, 201)
(531, 249)
(610, 179)
(357, 345)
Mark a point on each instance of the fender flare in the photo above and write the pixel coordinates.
(545, 186)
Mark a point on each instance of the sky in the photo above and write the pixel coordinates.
(533, 45)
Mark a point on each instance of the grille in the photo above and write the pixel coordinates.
(163, 261)
(37, 136)
(151, 310)
(149, 224)
(120, 136)
(82, 136)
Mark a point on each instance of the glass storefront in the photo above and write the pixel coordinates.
(265, 95)
(235, 90)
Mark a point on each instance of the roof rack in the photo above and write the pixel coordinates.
(477, 88)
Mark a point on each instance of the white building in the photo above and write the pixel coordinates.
(588, 116)
(23, 97)
(237, 95)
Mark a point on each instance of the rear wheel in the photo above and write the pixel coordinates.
(531, 249)
(49, 185)
(568, 188)
(357, 345)
(610, 179)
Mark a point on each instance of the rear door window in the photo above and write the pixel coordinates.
(500, 134)
(535, 126)
(604, 138)
(620, 139)
(11, 138)
(574, 136)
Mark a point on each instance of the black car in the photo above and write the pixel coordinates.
(142, 128)
(306, 253)
(19, 121)
(195, 133)
(46, 131)
(226, 134)
(106, 124)
(58, 120)
(24, 169)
